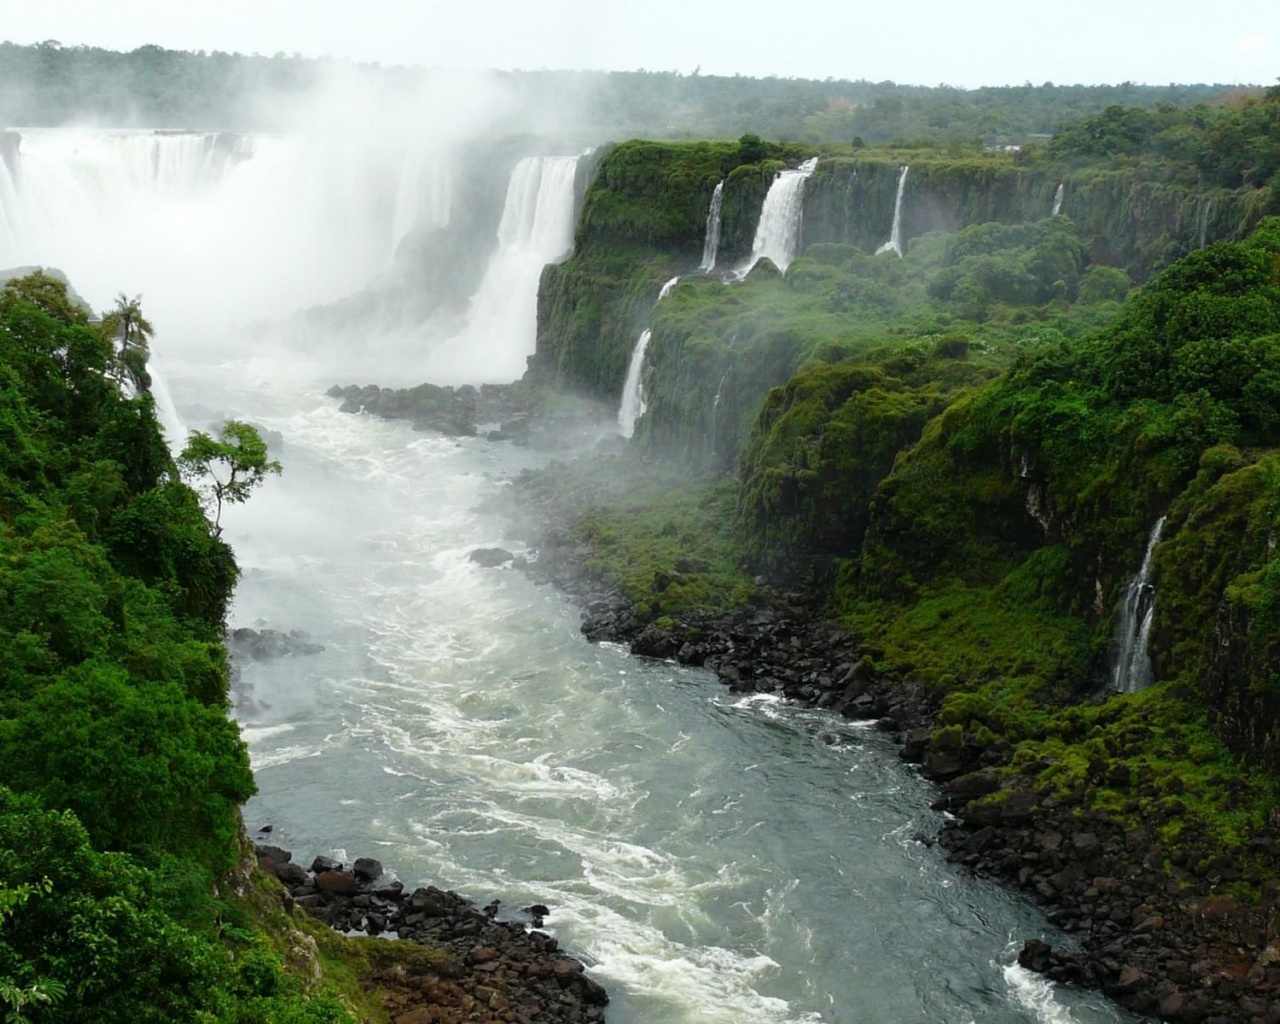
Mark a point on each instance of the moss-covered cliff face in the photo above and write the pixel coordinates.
(1040, 490)
(1126, 220)
(643, 221)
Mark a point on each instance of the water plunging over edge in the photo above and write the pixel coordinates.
(711, 247)
(778, 231)
(895, 234)
(1058, 197)
(633, 404)
(1132, 669)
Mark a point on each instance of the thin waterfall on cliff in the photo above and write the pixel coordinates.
(778, 232)
(1206, 212)
(633, 404)
(895, 235)
(711, 247)
(1131, 671)
(1058, 197)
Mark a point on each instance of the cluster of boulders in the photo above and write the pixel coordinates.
(488, 968)
(511, 412)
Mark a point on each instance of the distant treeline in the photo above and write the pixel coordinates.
(51, 84)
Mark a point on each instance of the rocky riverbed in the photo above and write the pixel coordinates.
(1164, 928)
(488, 967)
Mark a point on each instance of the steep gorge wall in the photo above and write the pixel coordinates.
(1128, 222)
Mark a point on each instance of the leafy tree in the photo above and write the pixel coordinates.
(227, 468)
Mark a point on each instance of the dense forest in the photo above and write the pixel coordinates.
(122, 774)
(51, 84)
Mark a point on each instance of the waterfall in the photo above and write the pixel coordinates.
(175, 431)
(501, 328)
(711, 247)
(1132, 668)
(1058, 197)
(1206, 212)
(633, 404)
(895, 235)
(261, 222)
(778, 232)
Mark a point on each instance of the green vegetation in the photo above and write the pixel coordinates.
(968, 447)
(238, 454)
(122, 774)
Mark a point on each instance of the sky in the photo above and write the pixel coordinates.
(924, 42)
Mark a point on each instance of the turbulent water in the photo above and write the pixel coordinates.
(715, 859)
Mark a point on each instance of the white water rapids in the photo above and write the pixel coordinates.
(713, 858)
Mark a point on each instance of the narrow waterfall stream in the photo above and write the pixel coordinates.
(894, 245)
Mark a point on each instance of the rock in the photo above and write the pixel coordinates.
(974, 784)
(491, 557)
(322, 864)
(340, 883)
(366, 869)
(292, 874)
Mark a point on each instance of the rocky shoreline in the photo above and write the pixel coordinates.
(1157, 925)
(484, 967)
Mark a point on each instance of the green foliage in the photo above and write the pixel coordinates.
(113, 726)
(227, 468)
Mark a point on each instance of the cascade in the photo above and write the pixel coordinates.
(711, 247)
(1058, 197)
(501, 328)
(633, 404)
(175, 431)
(261, 222)
(778, 232)
(1206, 213)
(895, 235)
(1132, 668)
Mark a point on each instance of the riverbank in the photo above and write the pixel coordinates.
(481, 964)
(1170, 923)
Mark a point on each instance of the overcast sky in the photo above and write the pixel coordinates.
(926, 42)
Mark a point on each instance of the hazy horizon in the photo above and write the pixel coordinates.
(984, 43)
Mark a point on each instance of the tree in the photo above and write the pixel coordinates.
(126, 323)
(227, 468)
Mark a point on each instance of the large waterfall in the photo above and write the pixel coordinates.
(711, 247)
(778, 232)
(501, 329)
(895, 234)
(1131, 670)
(151, 212)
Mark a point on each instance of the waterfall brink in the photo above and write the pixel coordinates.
(778, 233)
(633, 404)
(1131, 671)
(895, 235)
(1058, 197)
(711, 247)
(536, 229)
